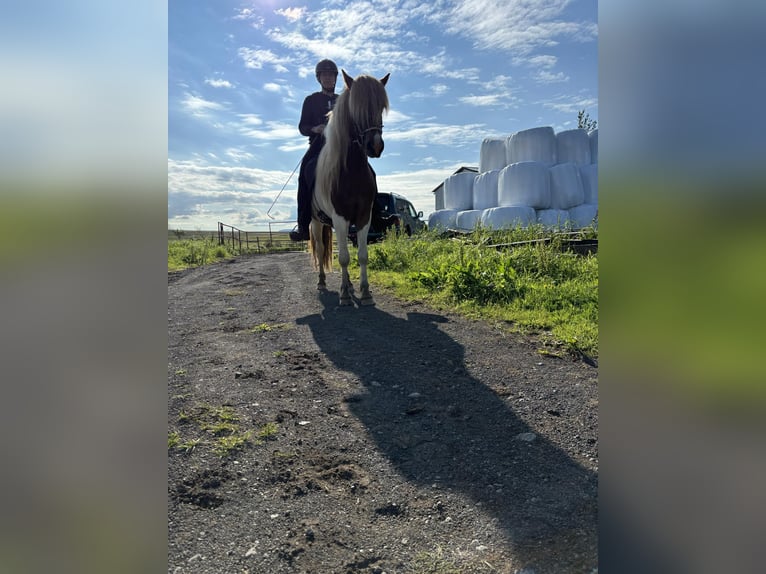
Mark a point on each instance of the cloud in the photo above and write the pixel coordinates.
(292, 14)
(487, 100)
(198, 106)
(256, 59)
(546, 77)
(272, 131)
(516, 26)
(431, 134)
(571, 104)
(218, 83)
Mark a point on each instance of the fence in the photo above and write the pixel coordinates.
(240, 241)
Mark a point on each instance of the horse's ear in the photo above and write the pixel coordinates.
(384, 79)
(348, 80)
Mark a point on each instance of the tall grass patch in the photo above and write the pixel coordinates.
(524, 278)
(194, 252)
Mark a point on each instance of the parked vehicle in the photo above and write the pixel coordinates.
(391, 211)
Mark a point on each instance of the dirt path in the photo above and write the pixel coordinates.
(404, 440)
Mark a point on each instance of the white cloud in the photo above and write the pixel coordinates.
(272, 87)
(251, 119)
(571, 104)
(518, 26)
(272, 131)
(292, 14)
(198, 106)
(431, 134)
(546, 77)
(218, 83)
(256, 59)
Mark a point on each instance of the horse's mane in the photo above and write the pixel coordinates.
(360, 107)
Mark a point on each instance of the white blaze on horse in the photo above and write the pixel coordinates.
(345, 185)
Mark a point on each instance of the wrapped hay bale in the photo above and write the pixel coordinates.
(566, 186)
(524, 183)
(443, 219)
(492, 154)
(573, 146)
(593, 138)
(485, 189)
(536, 144)
(508, 217)
(458, 191)
(589, 176)
(467, 220)
(583, 216)
(553, 218)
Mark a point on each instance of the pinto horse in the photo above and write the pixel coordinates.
(345, 186)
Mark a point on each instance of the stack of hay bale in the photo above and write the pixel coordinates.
(534, 176)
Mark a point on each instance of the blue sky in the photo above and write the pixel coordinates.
(460, 71)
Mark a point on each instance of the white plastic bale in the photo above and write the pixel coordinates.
(593, 138)
(458, 191)
(566, 186)
(508, 217)
(535, 144)
(492, 154)
(589, 175)
(485, 189)
(573, 146)
(443, 219)
(553, 218)
(524, 183)
(467, 220)
(583, 216)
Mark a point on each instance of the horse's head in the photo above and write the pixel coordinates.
(367, 102)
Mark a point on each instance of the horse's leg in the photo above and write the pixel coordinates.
(317, 247)
(344, 257)
(364, 286)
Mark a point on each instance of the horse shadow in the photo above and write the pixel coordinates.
(440, 427)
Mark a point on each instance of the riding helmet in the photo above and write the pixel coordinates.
(326, 66)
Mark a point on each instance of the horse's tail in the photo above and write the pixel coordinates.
(326, 246)
(327, 242)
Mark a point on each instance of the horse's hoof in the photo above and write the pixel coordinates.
(321, 287)
(346, 301)
(367, 301)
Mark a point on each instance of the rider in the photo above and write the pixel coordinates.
(312, 124)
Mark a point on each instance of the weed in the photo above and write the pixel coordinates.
(180, 372)
(265, 327)
(269, 430)
(228, 444)
(174, 439)
(189, 445)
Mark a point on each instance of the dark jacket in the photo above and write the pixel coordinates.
(315, 108)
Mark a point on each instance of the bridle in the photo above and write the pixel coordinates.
(359, 139)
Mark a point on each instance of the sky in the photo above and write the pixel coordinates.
(461, 71)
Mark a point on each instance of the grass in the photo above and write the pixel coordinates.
(218, 428)
(440, 561)
(534, 288)
(193, 249)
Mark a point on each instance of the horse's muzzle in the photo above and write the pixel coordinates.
(375, 146)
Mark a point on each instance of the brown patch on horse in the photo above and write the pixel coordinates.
(353, 195)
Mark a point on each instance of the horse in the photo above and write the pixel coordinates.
(345, 187)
